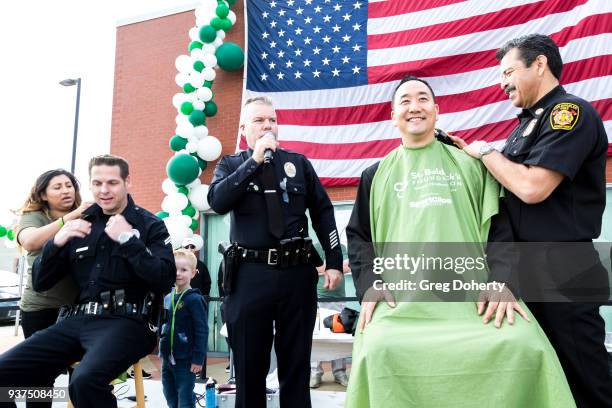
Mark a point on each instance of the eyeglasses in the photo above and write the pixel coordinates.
(190, 247)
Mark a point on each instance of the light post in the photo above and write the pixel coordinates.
(77, 82)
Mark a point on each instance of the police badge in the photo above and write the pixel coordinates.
(564, 116)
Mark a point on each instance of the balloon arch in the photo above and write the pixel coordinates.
(192, 144)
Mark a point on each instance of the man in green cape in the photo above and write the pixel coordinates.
(438, 353)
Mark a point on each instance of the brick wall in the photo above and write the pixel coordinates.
(143, 114)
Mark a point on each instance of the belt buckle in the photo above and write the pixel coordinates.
(270, 260)
(91, 308)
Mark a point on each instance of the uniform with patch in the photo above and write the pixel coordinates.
(263, 294)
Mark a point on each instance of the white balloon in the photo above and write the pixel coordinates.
(194, 183)
(168, 187)
(221, 34)
(209, 60)
(10, 243)
(192, 139)
(197, 197)
(204, 94)
(196, 79)
(182, 119)
(198, 240)
(198, 105)
(200, 131)
(185, 130)
(183, 63)
(209, 48)
(196, 54)
(191, 147)
(194, 33)
(177, 230)
(209, 148)
(174, 202)
(232, 17)
(209, 74)
(218, 42)
(178, 99)
(181, 78)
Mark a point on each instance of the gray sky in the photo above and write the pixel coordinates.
(44, 42)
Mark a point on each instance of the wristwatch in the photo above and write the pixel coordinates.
(126, 235)
(485, 149)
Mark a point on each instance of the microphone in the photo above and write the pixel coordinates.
(268, 155)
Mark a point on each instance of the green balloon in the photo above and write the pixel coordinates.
(208, 33)
(195, 44)
(183, 190)
(186, 108)
(202, 163)
(208, 84)
(222, 10)
(217, 24)
(231, 2)
(197, 118)
(198, 66)
(10, 234)
(189, 211)
(2, 231)
(177, 143)
(182, 169)
(194, 225)
(226, 24)
(162, 214)
(188, 88)
(210, 108)
(230, 56)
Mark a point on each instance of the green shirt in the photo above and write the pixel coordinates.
(64, 292)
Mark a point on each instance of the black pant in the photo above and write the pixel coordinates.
(576, 331)
(105, 347)
(31, 322)
(267, 300)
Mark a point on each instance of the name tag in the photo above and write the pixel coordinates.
(81, 249)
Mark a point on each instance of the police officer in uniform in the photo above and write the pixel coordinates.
(121, 258)
(272, 292)
(553, 170)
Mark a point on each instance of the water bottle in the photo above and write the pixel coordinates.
(211, 395)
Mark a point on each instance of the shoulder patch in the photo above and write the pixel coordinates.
(564, 116)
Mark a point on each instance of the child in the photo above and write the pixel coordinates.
(184, 336)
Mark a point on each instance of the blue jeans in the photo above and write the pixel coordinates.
(178, 383)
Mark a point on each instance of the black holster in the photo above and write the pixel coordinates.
(230, 264)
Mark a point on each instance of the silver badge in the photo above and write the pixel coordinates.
(290, 169)
(530, 127)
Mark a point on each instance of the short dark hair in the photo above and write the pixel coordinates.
(532, 45)
(411, 78)
(110, 160)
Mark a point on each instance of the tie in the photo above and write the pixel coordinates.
(276, 225)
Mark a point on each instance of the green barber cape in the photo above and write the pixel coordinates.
(440, 354)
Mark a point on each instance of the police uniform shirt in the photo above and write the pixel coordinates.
(237, 187)
(99, 264)
(564, 133)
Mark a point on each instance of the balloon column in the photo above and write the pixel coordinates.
(8, 233)
(192, 144)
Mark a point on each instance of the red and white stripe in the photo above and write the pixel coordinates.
(451, 44)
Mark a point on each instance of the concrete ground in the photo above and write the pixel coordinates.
(329, 394)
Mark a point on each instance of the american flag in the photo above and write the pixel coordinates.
(331, 66)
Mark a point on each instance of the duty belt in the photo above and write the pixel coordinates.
(290, 252)
(112, 303)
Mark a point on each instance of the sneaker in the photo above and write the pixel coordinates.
(315, 380)
(227, 369)
(342, 379)
(145, 375)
